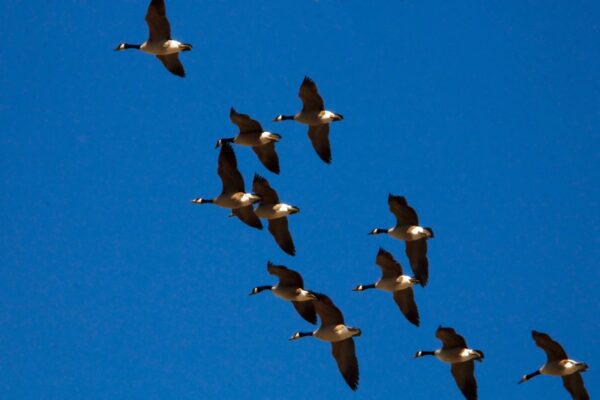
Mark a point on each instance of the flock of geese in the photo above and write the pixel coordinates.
(290, 287)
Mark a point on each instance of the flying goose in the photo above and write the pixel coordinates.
(315, 116)
(559, 364)
(233, 195)
(407, 228)
(455, 351)
(334, 330)
(291, 288)
(270, 208)
(252, 134)
(392, 280)
(159, 41)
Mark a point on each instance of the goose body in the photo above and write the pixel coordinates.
(233, 195)
(315, 116)
(160, 43)
(291, 288)
(392, 280)
(275, 212)
(455, 351)
(335, 331)
(415, 236)
(251, 134)
(559, 364)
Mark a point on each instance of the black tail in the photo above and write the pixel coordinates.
(430, 231)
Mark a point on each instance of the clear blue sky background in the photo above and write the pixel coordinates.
(485, 115)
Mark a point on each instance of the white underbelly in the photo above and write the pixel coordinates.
(161, 48)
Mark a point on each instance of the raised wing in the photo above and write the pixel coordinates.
(405, 214)
(281, 233)
(345, 356)
(554, 351)
(311, 99)
(158, 24)
(268, 156)
(319, 137)
(328, 312)
(390, 268)
(406, 302)
(450, 339)
(416, 251)
(173, 64)
(306, 309)
(261, 187)
(230, 176)
(244, 122)
(464, 375)
(247, 216)
(574, 385)
(287, 277)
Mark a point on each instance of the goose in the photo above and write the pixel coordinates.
(407, 228)
(315, 116)
(291, 288)
(559, 364)
(271, 209)
(392, 280)
(334, 330)
(159, 41)
(233, 195)
(455, 351)
(252, 134)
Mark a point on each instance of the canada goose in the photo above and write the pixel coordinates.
(291, 288)
(393, 281)
(334, 330)
(233, 195)
(455, 351)
(407, 228)
(315, 116)
(270, 208)
(159, 41)
(559, 364)
(252, 134)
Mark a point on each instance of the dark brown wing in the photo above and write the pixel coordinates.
(172, 63)
(306, 309)
(406, 301)
(280, 231)
(574, 385)
(311, 99)
(261, 187)
(464, 375)
(227, 170)
(158, 24)
(345, 356)
(247, 216)
(390, 268)
(244, 122)
(268, 156)
(287, 277)
(450, 339)
(416, 251)
(328, 312)
(319, 137)
(554, 351)
(405, 214)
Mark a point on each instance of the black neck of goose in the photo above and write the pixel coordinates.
(423, 353)
(304, 334)
(529, 376)
(378, 231)
(286, 117)
(130, 46)
(360, 288)
(259, 289)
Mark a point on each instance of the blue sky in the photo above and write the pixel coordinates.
(485, 115)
